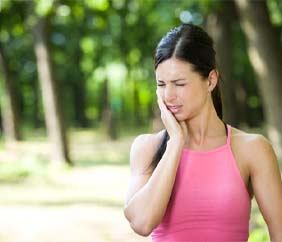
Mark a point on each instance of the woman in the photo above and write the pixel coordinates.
(194, 181)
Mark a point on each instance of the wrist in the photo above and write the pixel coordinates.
(176, 142)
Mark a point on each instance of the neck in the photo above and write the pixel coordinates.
(204, 126)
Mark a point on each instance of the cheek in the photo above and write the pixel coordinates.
(193, 95)
(185, 93)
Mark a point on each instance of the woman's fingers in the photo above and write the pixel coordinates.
(174, 128)
(168, 118)
(161, 103)
(164, 111)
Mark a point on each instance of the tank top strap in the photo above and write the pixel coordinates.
(228, 134)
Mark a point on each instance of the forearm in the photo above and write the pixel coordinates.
(275, 240)
(147, 207)
(276, 236)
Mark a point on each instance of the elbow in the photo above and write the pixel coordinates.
(140, 226)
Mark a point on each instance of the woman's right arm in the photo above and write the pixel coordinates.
(149, 193)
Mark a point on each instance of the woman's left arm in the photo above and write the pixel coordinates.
(267, 185)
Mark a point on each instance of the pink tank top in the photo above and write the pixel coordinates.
(209, 200)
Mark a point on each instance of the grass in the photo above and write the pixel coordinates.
(38, 201)
(82, 204)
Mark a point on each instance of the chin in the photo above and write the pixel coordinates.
(180, 117)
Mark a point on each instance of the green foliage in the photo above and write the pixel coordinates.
(92, 41)
(43, 7)
(259, 233)
(101, 5)
(275, 7)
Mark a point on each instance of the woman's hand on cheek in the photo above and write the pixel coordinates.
(176, 130)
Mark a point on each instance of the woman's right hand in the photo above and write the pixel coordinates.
(177, 130)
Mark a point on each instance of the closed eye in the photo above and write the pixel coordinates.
(161, 84)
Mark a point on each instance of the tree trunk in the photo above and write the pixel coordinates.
(265, 54)
(136, 105)
(53, 115)
(9, 108)
(219, 26)
(108, 115)
(37, 122)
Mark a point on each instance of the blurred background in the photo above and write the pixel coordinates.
(77, 86)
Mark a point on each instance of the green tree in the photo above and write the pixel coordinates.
(50, 93)
(265, 53)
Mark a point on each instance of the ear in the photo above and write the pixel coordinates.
(212, 79)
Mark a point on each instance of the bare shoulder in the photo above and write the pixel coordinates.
(255, 148)
(143, 149)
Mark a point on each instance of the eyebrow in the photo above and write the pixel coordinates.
(176, 80)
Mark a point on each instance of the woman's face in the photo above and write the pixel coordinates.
(183, 90)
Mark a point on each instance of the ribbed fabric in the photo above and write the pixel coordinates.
(209, 201)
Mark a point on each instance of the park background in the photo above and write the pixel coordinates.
(77, 85)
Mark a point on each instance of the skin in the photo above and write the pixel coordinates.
(195, 125)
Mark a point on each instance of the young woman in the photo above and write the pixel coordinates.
(194, 181)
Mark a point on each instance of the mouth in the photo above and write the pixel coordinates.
(175, 108)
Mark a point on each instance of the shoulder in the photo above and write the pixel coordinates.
(146, 141)
(143, 149)
(255, 148)
(250, 141)
(241, 137)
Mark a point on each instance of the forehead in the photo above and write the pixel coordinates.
(174, 68)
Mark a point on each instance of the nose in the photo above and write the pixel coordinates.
(169, 93)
